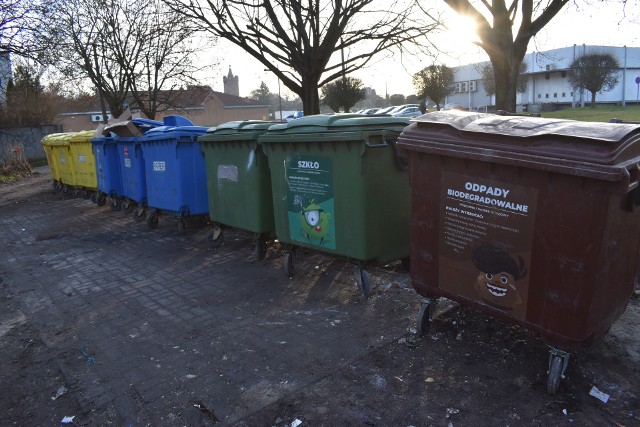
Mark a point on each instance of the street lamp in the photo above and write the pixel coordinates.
(279, 97)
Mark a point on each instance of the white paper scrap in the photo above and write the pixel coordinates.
(296, 423)
(67, 420)
(604, 397)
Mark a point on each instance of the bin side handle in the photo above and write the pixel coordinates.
(633, 189)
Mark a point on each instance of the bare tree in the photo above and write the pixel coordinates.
(301, 41)
(505, 48)
(434, 82)
(22, 25)
(345, 93)
(489, 78)
(126, 48)
(595, 72)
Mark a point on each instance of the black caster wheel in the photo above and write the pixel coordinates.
(129, 207)
(152, 220)
(94, 198)
(182, 225)
(75, 192)
(215, 237)
(139, 215)
(363, 278)
(65, 188)
(425, 315)
(558, 361)
(114, 204)
(289, 264)
(86, 194)
(260, 250)
(102, 199)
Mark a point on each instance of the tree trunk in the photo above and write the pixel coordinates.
(506, 76)
(593, 100)
(310, 98)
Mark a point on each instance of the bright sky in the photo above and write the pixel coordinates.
(602, 24)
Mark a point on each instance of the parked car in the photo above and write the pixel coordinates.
(408, 112)
(294, 116)
(386, 110)
(371, 111)
(452, 106)
(402, 107)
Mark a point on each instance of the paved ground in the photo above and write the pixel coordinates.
(106, 320)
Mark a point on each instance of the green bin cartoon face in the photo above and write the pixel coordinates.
(315, 222)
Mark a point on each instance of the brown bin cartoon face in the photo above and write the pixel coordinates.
(496, 284)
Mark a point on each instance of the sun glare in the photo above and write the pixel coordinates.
(462, 29)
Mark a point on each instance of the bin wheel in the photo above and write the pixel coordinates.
(426, 314)
(102, 199)
(139, 214)
(558, 361)
(182, 225)
(114, 204)
(128, 206)
(93, 197)
(55, 185)
(260, 250)
(76, 192)
(363, 278)
(65, 188)
(86, 194)
(215, 237)
(288, 263)
(152, 220)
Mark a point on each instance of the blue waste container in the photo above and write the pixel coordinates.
(131, 164)
(105, 151)
(175, 172)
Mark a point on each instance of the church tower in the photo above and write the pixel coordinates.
(231, 86)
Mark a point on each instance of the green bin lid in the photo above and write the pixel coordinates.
(241, 130)
(338, 127)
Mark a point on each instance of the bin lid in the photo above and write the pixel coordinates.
(241, 130)
(174, 132)
(176, 121)
(61, 139)
(574, 147)
(48, 139)
(338, 127)
(82, 136)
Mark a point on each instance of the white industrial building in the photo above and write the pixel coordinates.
(548, 87)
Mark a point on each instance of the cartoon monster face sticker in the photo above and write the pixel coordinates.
(496, 284)
(315, 222)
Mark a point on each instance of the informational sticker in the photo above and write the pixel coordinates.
(486, 236)
(159, 166)
(82, 159)
(228, 172)
(310, 201)
(127, 162)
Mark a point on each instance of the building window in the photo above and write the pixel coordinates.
(546, 95)
(563, 74)
(555, 94)
(563, 94)
(547, 76)
(570, 93)
(539, 95)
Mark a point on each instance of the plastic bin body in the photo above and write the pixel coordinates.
(62, 159)
(82, 159)
(109, 178)
(132, 173)
(49, 152)
(238, 178)
(175, 170)
(338, 187)
(526, 219)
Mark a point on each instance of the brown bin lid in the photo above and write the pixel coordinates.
(608, 151)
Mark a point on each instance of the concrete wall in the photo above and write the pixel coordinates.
(30, 138)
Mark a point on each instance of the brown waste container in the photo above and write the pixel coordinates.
(527, 219)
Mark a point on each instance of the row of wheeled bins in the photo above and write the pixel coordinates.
(529, 220)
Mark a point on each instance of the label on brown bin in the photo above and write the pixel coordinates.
(486, 235)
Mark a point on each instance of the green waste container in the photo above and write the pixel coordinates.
(238, 181)
(339, 188)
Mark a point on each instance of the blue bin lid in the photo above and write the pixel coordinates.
(176, 121)
(169, 132)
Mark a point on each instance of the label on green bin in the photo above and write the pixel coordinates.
(310, 202)
(486, 236)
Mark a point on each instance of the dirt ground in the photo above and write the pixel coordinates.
(115, 324)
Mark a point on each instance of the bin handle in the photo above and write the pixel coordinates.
(634, 177)
(633, 189)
